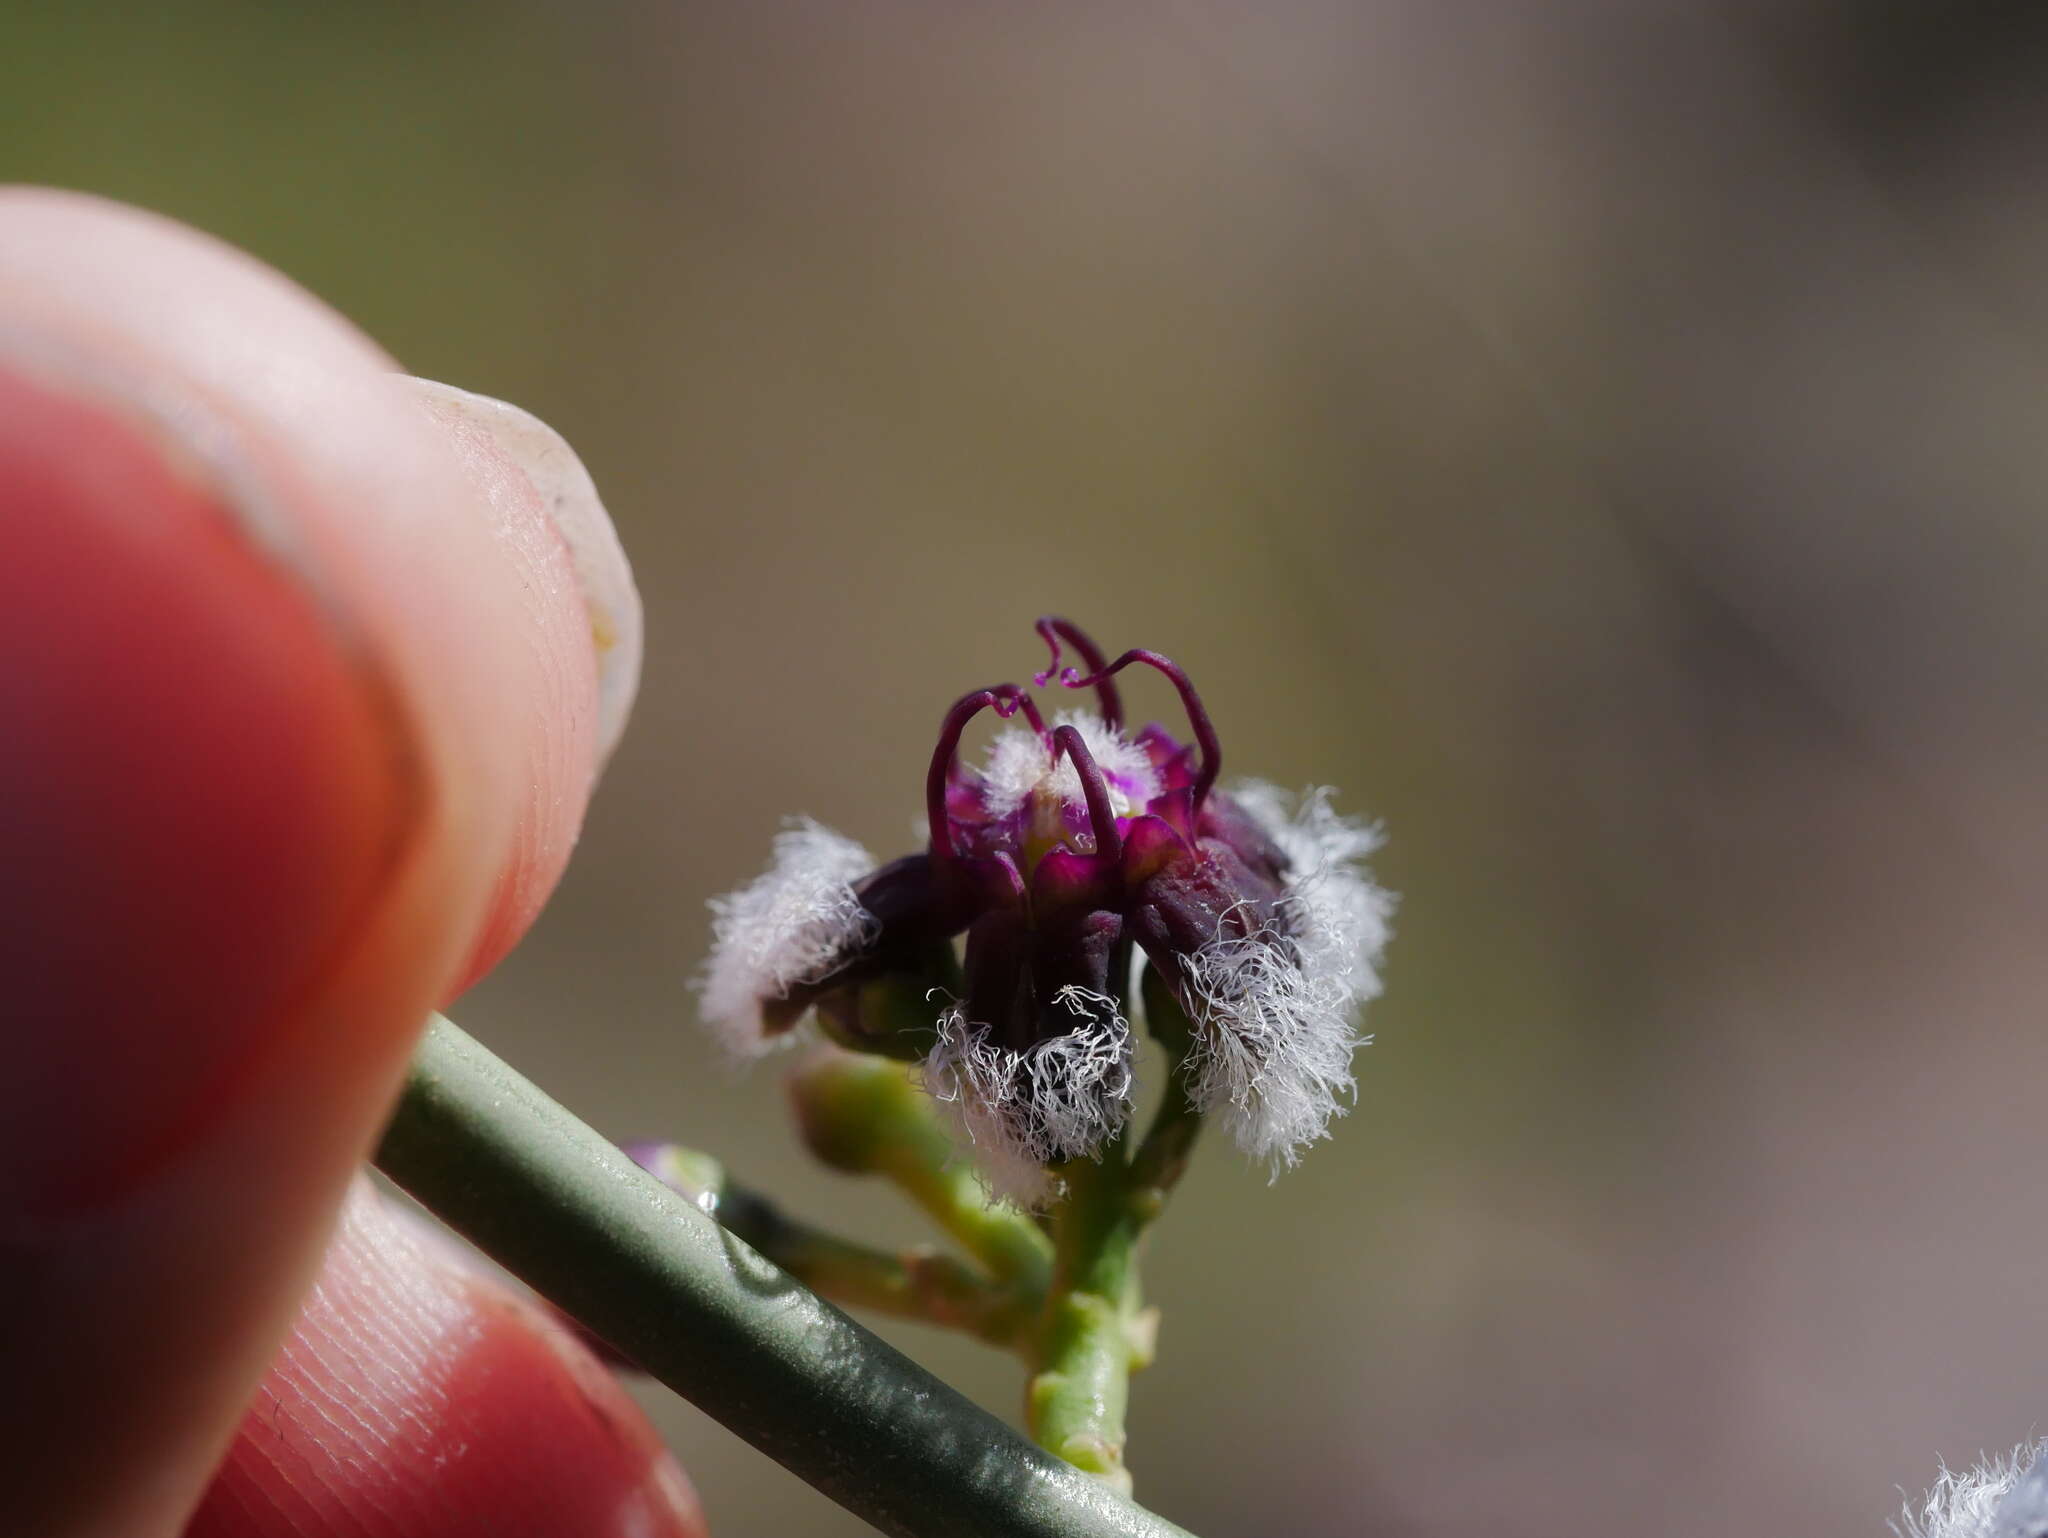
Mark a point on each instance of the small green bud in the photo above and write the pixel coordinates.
(858, 1113)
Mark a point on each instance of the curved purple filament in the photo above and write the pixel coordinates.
(1054, 630)
(1101, 815)
(1005, 700)
(1198, 718)
(1023, 704)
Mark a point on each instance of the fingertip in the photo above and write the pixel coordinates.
(574, 593)
(262, 780)
(209, 789)
(570, 501)
(414, 1400)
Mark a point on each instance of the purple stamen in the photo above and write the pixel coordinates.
(1006, 700)
(1198, 718)
(1054, 630)
(1101, 815)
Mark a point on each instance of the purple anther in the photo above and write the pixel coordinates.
(1101, 815)
(1198, 718)
(1054, 630)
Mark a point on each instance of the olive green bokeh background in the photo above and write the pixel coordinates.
(1605, 441)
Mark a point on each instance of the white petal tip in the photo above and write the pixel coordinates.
(1020, 1111)
(1973, 1504)
(792, 924)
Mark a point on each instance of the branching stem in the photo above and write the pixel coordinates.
(920, 1283)
(862, 1115)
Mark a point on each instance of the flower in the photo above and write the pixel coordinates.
(1075, 846)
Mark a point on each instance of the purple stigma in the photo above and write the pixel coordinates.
(1005, 700)
(1054, 630)
(1101, 815)
(1198, 718)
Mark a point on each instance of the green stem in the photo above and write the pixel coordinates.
(919, 1283)
(1163, 1157)
(1001, 1238)
(643, 1269)
(862, 1115)
(1092, 1335)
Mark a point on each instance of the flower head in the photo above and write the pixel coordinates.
(1076, 846)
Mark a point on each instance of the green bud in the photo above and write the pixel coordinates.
(861, 1114)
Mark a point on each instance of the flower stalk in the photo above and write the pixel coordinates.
(1162, 1158)
(862, 1115)
(920, 1284)
(1090, 1339)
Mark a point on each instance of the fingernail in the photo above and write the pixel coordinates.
(571, 501)
(203, 792)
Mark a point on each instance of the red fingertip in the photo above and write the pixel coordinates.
(414, 1402)
(202, 790)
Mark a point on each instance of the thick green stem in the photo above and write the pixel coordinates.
(1092, 1335)
(660, 1281)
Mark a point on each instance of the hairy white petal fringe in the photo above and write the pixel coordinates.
(1018, 763)
(1965, 1505)
(1281, 1004)
(1056, 1100)
(791, 925)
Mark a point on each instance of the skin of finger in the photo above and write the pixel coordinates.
(413, 1399)
(559, 664)
(138, 1324)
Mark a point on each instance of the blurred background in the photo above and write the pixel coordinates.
(1607, 441)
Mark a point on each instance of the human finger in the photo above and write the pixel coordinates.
(285, 674)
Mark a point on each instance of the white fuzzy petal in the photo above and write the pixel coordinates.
(1965, 1505)
(1059, 1099)
(1275, 1066)
(791, 925)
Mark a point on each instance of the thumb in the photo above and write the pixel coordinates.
(285, 675)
